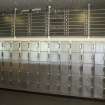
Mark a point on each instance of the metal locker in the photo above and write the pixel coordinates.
(23, 76)
(64, 79)
(6, 56)
(86, 85)
(34, 75)
(37, 77)
(13, 79)
(45, 77)
(24, 57)
(5, 75)
(4, 80)
(87, 69)
(1, 49)
(88, 58)
(76, 58)
(6, 46)
(29, 76)
(54, 57)
(15, 57)
(43, 57)
(15, 46)
(15, 52)
(88, 47)
(33, 57)
(64, 46)
(43, 71)
(1, 62)
(104, 83)
(6, 51)
(87, 79)
(55, 70)
(75, 85)
(76, 69)
(99, 70)
(54, 46)
(99, 58)
(76, 47)
(24, 46)
(24, 52)
(99, 47)
(56, 78)
(1, 74)
(29, 73)
(64, 57)
(43, 46)
(33, 46)
(98, 90)
(1, 57)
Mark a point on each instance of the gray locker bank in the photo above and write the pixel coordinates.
(53, 47)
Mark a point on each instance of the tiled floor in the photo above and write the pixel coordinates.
(21, 98)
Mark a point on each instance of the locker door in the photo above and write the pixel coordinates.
(43, 46)
(15, 46)
(13, 75)
(23, 76)
(24, 57)
(34, 77)
(1, 49)
(99, 47)
(33, 46)
(43, 57)
(64, 57)
(6, 56)
(76, 58)
(15, 57)
(98, 87)
(6, 62)
(86, 86)
(75, 79)
(44, 78)
(76, 47)
(24, 52)
(75, 85)
(5, 75)
(54, 46)
(24, 46)
(64, 46)
(1, 62)
(56, 78)
(99, 70)
(76, 69)
(43, 70)
(6, 50)
(33, 57)
(87, 77)
(99, 58)
(88, 58)
(64, 79)
(88, 47)
(56, 72)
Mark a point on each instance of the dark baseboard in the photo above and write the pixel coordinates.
(55, 95)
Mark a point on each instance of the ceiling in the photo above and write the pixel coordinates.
(29, 4)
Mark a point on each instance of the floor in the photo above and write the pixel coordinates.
(8, 97)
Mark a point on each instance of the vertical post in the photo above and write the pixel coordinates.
(49, 12)
(15, 22)
(89, 20)
(29, 22)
